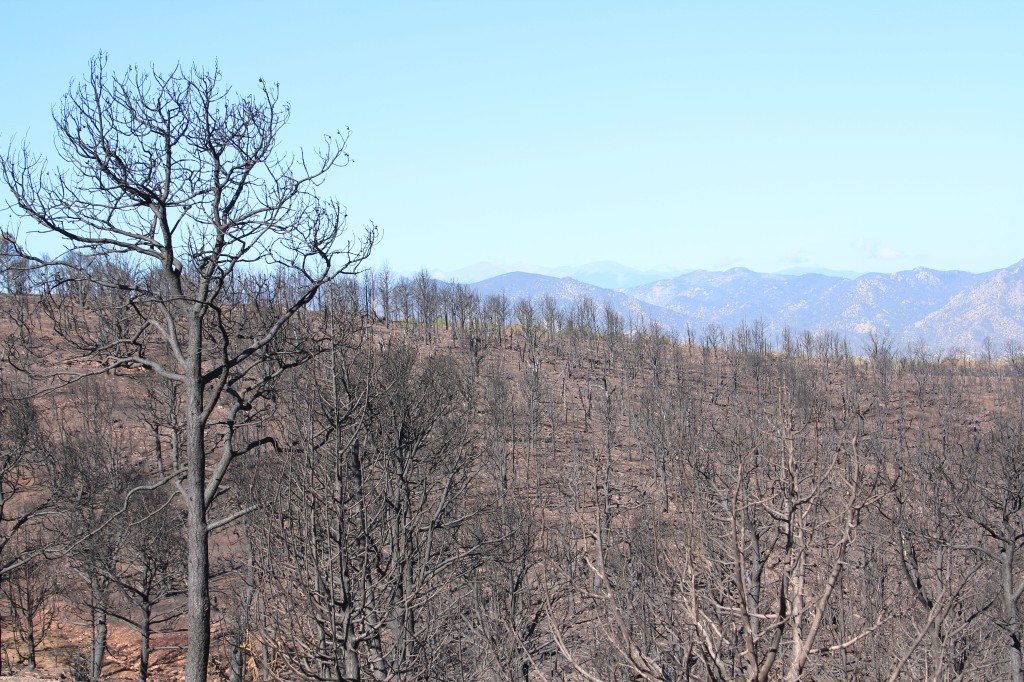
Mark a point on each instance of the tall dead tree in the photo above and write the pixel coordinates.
(191, 241)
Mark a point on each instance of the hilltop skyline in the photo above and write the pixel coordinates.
(614, 275)
(934, 310)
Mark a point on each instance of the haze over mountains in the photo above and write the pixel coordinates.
(604, 274)
(946, 310)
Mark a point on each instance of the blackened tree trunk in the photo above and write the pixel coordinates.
(100, 598)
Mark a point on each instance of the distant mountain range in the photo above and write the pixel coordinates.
(945, 309)
(605, 274)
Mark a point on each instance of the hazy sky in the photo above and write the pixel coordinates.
(867, 136)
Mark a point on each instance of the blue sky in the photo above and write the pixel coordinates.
(868, 136)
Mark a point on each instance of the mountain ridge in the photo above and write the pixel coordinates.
(945, 309)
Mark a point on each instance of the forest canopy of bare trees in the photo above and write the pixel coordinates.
(554, 495)
(227, 449)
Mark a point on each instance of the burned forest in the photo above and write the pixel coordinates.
(450, 488)
(231, 450)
